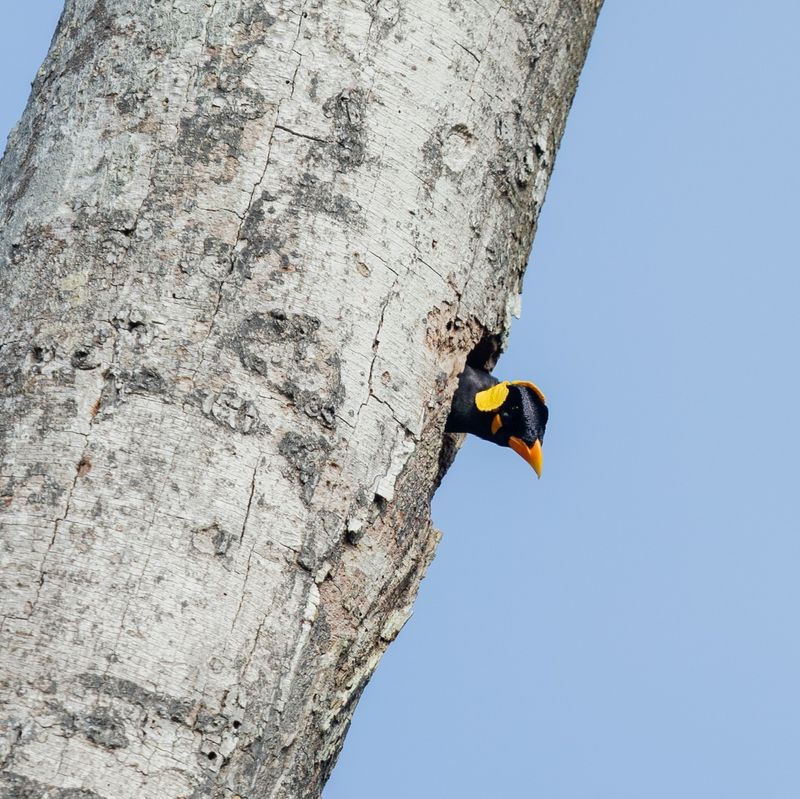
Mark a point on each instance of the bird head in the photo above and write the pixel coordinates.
(519, 417)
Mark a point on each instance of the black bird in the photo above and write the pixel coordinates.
(511, 414)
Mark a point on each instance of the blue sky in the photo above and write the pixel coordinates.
(627, 626)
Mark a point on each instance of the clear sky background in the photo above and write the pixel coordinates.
(627, 627)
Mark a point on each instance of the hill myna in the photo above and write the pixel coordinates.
(508, 413)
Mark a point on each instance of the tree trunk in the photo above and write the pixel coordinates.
(246, 249)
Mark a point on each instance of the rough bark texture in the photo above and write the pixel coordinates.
(246, 248)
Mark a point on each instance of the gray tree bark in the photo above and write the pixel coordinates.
(246, 249)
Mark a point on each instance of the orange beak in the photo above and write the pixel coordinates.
(531, 454)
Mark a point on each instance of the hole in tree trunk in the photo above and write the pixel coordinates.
(485, 353)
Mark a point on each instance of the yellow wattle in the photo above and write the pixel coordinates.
(491, 399)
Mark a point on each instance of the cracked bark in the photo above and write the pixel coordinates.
(245, 251)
